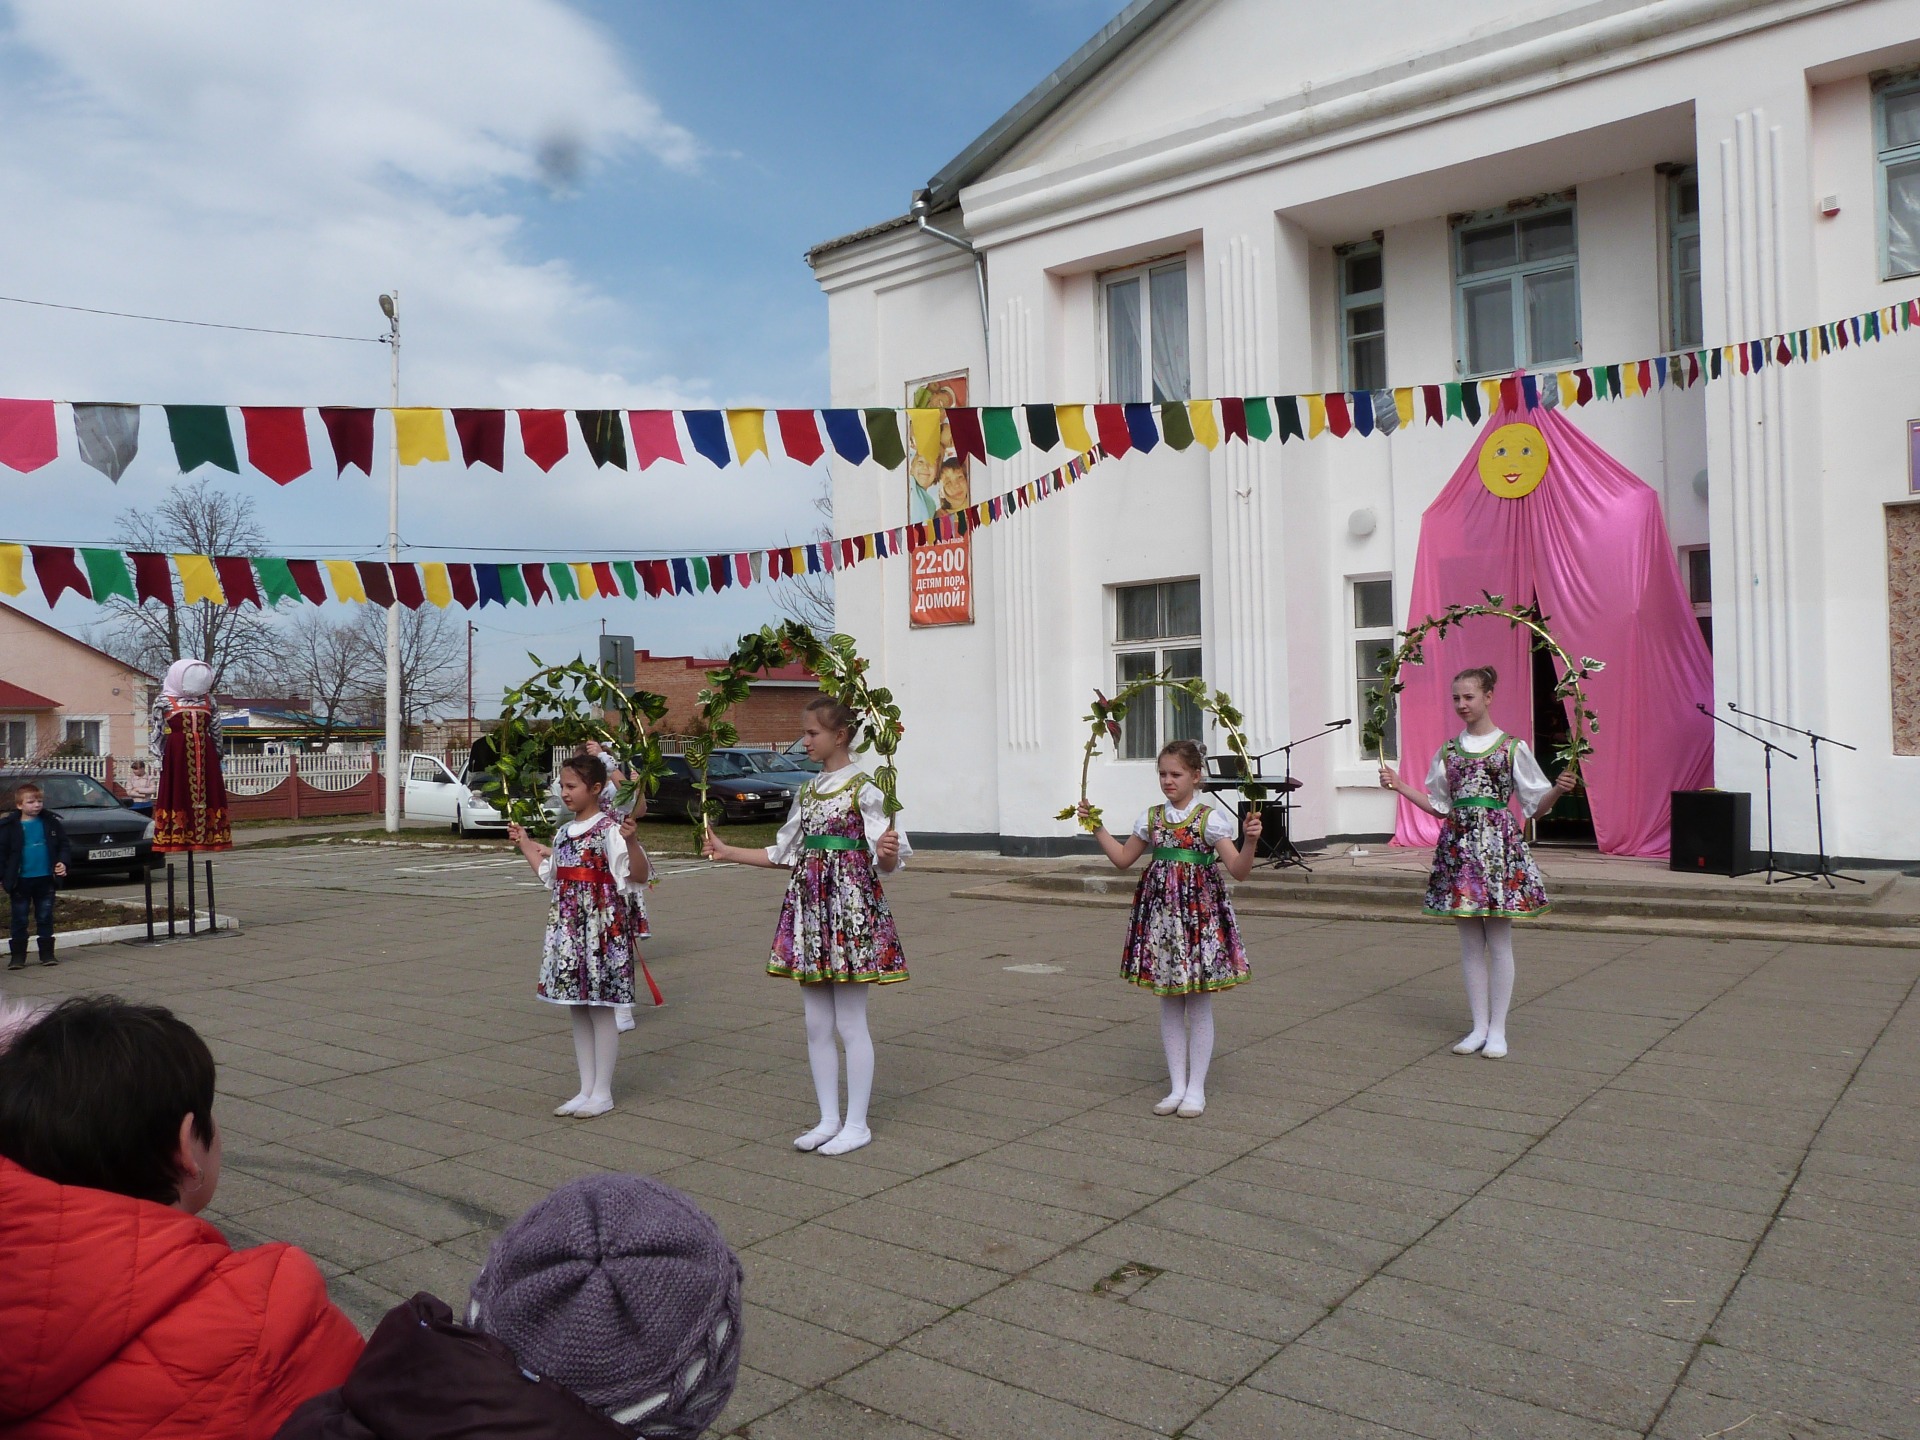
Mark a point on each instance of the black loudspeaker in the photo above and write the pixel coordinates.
(1712, 832)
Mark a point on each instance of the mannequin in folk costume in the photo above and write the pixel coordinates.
(1484, 876)
(183, 737)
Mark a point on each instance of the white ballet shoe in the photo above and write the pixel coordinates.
(1471, 1044)
(622, 1018)
(568, 1107)
(851, 1137)
(1192, 1107)
(1496, 1047)
(818, 1135)
(590, 1108)
(1170, 1104)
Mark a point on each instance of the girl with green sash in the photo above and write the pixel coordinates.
(1182, 941)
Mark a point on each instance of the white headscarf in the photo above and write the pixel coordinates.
(187, 679)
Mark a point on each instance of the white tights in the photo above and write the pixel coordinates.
(838, 1008)
(596, 1046)
(1486, 962)
(1186, 1030)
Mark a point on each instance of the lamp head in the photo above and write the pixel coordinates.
(386, 306)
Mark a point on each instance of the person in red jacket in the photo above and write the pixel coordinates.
(122, 1315)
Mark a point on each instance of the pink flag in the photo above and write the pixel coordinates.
(27, 439)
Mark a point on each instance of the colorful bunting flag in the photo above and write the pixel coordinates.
(483, 437)
(28, 438)
(605, 437)
(109, 436)
(707, 433)
(350, 432)
(199, 581)
(420, 435)
(543, 436)
(800, 435)
(277, 442)
(201, 436)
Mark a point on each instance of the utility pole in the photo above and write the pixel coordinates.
(471, 627)
(390, 307)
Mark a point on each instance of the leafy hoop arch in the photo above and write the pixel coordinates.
(842, 674)
(1104, 722)
(569, 705)
(1569, 689)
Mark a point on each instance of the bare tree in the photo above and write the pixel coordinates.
(331, 664)
(432, 658)
(808, 599)
(194, 519)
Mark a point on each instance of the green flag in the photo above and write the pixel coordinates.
(513, 585)
(201, 436)
(1454, 412)
(1003, 436)
(1259, 418)
(563, 586)
(107, 574)
(629, 582)
(276, 581)
(701, 579)
(1176, 426)
(883, 433)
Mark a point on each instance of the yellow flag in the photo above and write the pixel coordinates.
(198, 580)
(1206, 429)
(12, 578)
(799, 556)
(439, 588)
(1316, 415)
(1403, 406)
(583, 579)
(925, 424)
(749, 431)
(1490, 390)
(1569, 390)
(1072, 420)
(422, 435)
(345, 578)
(1629, 379)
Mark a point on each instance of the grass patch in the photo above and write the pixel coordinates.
(661, 835)
(80, 912)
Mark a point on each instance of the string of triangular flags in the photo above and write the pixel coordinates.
(143, 577)
(277, 445)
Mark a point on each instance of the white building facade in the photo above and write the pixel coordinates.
(1240, 197)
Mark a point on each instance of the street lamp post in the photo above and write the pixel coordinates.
(390, 307)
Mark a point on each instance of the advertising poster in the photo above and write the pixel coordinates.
(939, 482)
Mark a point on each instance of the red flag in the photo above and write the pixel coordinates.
(306, 578)
(58, 571)
(276, 442)
(1510, 392)
(1339, 418)
(1233, 417)
(743, 569)
(152, 577)
(1436, 406)
(1111, 423)
(536, 575)
(1583, 392)
(603, 578)
(27, 437)
(460, 581)
(964, 422)
(543, 436)
(406, 578)
(375, 581)
(800, 435)
(350, 431)
(483, 437)
(236, 574)
(654, 437)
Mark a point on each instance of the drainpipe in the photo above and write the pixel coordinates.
(918, 209)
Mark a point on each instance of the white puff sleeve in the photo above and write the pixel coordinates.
(1530, 782)
(1439, 797)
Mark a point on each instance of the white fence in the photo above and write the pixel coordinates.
(94, 765)
(256, 774)
(335, 772)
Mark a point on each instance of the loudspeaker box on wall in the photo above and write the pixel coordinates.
(1712, 832)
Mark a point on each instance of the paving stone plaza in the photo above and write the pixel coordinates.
(1686, 1205)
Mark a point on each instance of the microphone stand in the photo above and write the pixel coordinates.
(1286, 854)
(1823, 871)
(1769, 747)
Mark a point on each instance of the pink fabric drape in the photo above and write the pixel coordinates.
(1591, 545)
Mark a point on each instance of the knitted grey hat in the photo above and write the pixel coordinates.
(624, 1291)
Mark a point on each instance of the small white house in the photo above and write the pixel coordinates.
(1240, 197)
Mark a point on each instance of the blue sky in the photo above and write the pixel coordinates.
(279, 166)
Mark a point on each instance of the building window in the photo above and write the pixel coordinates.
(1370, 641)
(1363, 317)
(16, 739)
(1146, 330)
(81, 737)
(1696, 566)
(1684, 325)
(1897, 107)
(1519, 285)
(1156, 630)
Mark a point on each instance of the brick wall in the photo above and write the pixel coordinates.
(771, 714)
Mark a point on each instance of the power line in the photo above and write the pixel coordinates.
(199, 324)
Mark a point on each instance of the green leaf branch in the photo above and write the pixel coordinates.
(1105, 717)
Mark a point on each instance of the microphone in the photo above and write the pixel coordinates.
(1703, 709)
(1730, 705)
(1339, 724)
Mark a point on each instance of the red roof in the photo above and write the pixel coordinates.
(18, 697)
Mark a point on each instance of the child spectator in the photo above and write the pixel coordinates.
(33, 856)
(610, 1309)
(124, 1315)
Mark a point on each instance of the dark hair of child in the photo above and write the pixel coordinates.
(834, 715)
(591, 769)
(93, 1093)
(1188, 753)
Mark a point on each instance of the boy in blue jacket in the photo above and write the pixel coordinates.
(33, 855)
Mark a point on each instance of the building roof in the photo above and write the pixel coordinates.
(75, 640)
(18, 697)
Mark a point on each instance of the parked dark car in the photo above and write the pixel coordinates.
(796, 758)
(779, 765)
(105, 832)
(743, 792)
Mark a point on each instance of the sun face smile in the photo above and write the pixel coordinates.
(1513, 461)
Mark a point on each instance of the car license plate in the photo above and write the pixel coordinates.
(118, 852)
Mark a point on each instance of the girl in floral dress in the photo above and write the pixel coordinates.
(594, 868)
(635, 897)
(1483, 874)
(1182, 941)
(835, 935)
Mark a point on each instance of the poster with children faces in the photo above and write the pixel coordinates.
(939, 483)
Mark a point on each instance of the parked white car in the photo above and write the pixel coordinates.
(433, 792)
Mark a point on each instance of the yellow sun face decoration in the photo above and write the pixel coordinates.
(1513, 462)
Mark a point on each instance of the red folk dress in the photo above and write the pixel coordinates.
(190, 810)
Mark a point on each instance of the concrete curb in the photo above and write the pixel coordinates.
(108, 934)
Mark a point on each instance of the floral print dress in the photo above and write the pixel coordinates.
(834, 921)
(1481, 865)
(590, 952)
(1182, 939)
